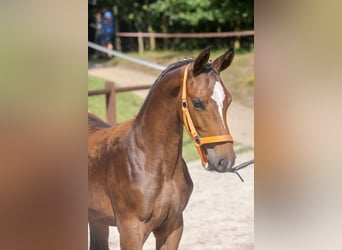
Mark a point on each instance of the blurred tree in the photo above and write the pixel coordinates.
(184, 16)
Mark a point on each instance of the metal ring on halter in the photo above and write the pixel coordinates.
(198, 140)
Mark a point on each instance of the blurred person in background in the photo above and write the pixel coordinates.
(98, 27)
(108, 29)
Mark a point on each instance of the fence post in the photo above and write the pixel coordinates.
(140, 43)
(110, 102)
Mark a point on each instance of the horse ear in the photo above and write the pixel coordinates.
(201, 60)
(223, 62)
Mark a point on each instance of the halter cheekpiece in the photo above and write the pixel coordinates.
(190, 128)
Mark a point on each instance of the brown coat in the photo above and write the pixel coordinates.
(137, 178)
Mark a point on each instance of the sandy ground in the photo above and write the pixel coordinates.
(220, 213)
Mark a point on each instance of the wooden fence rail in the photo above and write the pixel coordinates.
(187, 35)
(152, 36)
(110, 92)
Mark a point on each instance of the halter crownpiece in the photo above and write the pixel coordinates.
(190, 128)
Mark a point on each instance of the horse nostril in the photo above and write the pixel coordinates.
(222, 162)
(222, 165)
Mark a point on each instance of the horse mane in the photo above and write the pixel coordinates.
(171, 67)
(177, 65)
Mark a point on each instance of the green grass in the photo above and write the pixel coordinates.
(127, 107)
(127, 103)
(96, 104)
(189, 150)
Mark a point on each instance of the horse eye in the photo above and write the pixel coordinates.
(198, 104)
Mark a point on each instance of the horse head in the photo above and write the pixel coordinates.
(204, 105)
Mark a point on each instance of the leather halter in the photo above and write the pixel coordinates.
(190, 128)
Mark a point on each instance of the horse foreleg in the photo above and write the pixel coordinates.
(98, 236)
(169, 240)
(132, 235)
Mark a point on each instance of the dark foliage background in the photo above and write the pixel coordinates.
(180, 16)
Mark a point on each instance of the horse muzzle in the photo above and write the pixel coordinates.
(219, 163)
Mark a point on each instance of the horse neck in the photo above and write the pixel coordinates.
(158, 125)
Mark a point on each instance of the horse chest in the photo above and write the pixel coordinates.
(169, 204)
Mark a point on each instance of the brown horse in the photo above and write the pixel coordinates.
(138, 180)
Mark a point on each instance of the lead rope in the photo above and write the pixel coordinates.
(238, 167)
